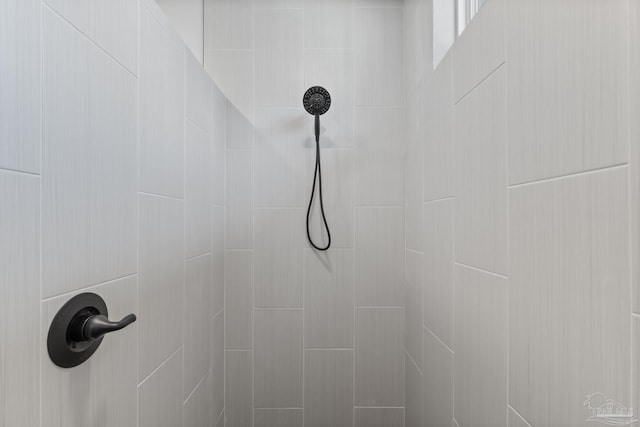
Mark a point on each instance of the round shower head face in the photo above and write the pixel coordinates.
(316, 100)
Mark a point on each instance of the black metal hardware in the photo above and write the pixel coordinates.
(78, 328)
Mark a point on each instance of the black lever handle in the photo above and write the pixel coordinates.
(97, 326)
(77, 329)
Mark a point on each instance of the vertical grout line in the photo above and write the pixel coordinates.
(253, 220)
(40, 241)
(138, 121)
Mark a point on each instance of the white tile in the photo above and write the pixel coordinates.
(413, 294)
(198, 94)
(89, 162)
(186, 17)
(280, 4)
(634, 150)
(569, 295)
(159, 400)
(112, 25)
(239, 200)
(379, 156)
(217, 365)
(329, 299)
(278, 257)
(567, 86)
(635, 364)
(19, 297)
(328, 24)
(239, 128)
(338, 197)
(238, 388)
(20, 75)
(238, 300)
(481, 178)
(197, 357)
(233, 71)
(515, 420)
(333, 70)
(379, 417)
(413, 393)
(413, 195)
(438, 269)
(161, 281)
(219, 138)
(281, 163)
(379, 253)
(278, 358)
(217, 251)
(480, 49)
(101, 391)
(437, 394)
(197, 411)
(328, 388)
(197, 191)
(481, 348)
(378, 38)
(439, 179)
(278, 418)
(379, 357)
(418, 40)
(161, 115)
(279, 57)
(228, 24)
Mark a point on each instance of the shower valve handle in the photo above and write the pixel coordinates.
(94, 327)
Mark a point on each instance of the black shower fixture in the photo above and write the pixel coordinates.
(316, 101)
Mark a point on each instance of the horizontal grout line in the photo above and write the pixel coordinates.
(288, 208)
(238, 250)
(228, 50)
(330, 48)
(19, 172)
(278, 308)
(378, 206)
(363, 106)
(439, 200)
(198, 256)
(159, 366)
(413, 361)
(379, 306)
(289, 408)
(218, 313)
(91, 41)
(519, 414)
(438, 338)
(237, 351)
(329, 349)
(196, 387)
(571, 175)
(203, 130)
(378, 407)
(414, 251)
(85, 288)
(220, 415)
(479, 83)
(162, 196)
(471, 267)
(633, 313)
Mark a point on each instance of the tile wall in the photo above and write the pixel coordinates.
(112, 159)
(313, 339)
(521, 206)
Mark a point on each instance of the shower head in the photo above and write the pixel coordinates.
(316, 100)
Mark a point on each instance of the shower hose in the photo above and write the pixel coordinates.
(317, 175)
